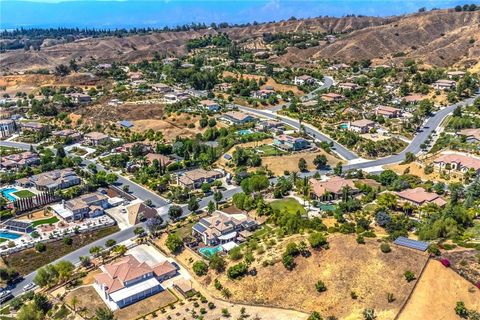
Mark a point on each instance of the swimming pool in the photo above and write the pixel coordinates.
(209, 251)
(7, 193)
(9, 235)
(344, 126)
(244, 132)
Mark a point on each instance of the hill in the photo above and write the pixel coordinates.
(441, 37)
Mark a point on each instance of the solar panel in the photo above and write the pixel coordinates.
(410, 243)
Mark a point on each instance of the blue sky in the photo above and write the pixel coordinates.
(158, 13)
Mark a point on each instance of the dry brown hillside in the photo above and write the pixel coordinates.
(440, 38)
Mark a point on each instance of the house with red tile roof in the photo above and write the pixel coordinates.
(419, 197)
(457, 162)
(127, 280)
(386, 111)
(331, 189)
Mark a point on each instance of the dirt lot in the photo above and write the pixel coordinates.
(270, 83)
(417, 169)
(436, 294)
(28, 260)
(88, 300)
(31, 82)
(290, 162)
(37, 215)
(345, 267)
(172, 126)
(145, 306)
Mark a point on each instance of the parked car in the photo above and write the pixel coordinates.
(29, 287)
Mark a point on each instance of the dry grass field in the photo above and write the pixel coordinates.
(436, 294)
(417, 169)
(345, 267)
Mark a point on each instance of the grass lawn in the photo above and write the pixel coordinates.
(269, 150)
(50, 220)
(24, 194)
(289, 204)
(29, 260)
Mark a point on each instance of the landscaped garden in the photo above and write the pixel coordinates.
(288, 204)
(50, 220)
(24, 194)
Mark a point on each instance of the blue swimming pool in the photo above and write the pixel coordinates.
(7, 193)
(209, 251)
(244, 132)
(344, 126)
(9, 235)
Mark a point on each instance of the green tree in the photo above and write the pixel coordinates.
(317, 240)
(302, 164)
(200, 268)
(175, 212)
(217, 263)
(104, 314)
(174, 243)
(320, 161)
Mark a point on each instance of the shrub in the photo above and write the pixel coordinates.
(40, 247)
(433, 249)
(409, 275)
(288, 262)
(320, 286)
(237, 271)
(360, 239)
(385, 247)
(200, 268)
(317, 240)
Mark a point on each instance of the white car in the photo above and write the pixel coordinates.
(29, 286)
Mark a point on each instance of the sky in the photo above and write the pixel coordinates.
(160, 13)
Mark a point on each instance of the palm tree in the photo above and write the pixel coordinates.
(74, 302)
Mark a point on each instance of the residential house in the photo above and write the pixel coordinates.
(304, 79)
(457, 162)
(419, 197)
(361, 126)
(471, 135)
(348, 86)
(270, 125)
(223, 87)
(222, 228)
(237, 117)
(455, 74)
(444, 84)
(388, 112)
(86, 206)
(96, 138)
(142, 147)
(414, 98)
(263, 93)
(80, 98)
(127, 280)
(162, 88)
(176, 96)
(184, 286)
(195, 178)
(290, 143)
(7, 128)
(332, 97)
(162, 159)
(210, 105)
(135, 75)
(19, 160)
(140, 212)
(54, 180)
(33, 126)
(339, 66)
(332, 189)
(68, 135)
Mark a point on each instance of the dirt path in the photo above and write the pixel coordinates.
(436, 294)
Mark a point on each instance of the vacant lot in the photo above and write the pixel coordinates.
(416, 168)
(345, 267)
(437, 292)
(29, 260)
(290, 162)
(88, 300)
(270, 83)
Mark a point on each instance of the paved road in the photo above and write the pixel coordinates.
(414, 147)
